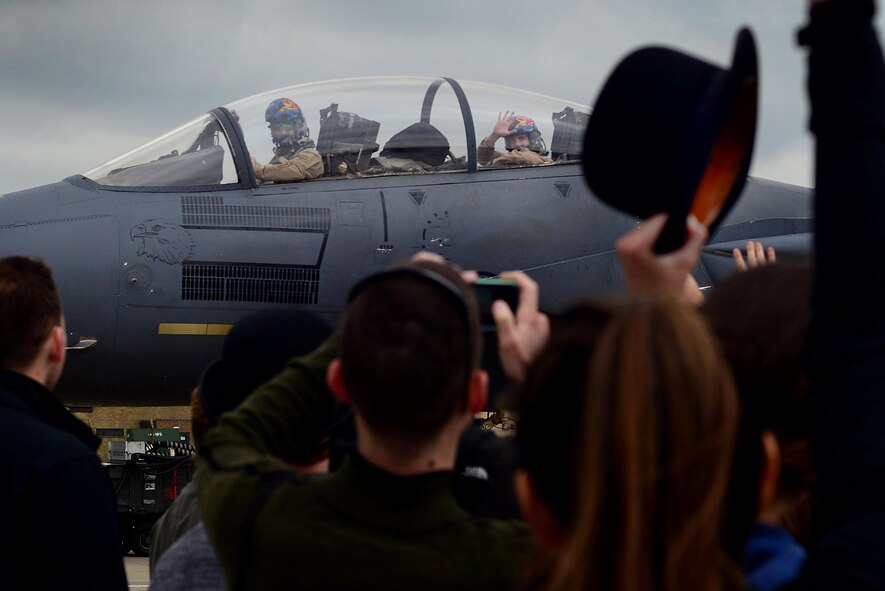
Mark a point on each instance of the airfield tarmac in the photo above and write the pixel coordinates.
(137, 572)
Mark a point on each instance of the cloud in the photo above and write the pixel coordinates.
(793, 163)
(87, 79)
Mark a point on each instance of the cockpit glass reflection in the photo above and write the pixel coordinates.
(362, 127)
(388, 126)
(195, 154)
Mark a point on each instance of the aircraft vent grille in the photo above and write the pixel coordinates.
(231, 282)
(211, 212)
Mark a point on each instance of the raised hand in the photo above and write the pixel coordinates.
(521, 336)
(502, 126)
(651, 274)
(756, 256)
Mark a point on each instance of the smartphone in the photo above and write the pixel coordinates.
(489, 290)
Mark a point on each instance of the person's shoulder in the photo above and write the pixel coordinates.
(507, 537)
(191, 551)
(308, 153)
(504, 528)
(15, 418)
(520, 158)
(502, 547)
(31, 437)
(190, 563)
(43, 455)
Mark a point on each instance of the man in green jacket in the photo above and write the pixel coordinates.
(387, 519)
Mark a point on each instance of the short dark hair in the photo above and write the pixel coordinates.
(409, 342)
(29, 308)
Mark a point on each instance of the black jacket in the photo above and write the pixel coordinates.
(59, 526)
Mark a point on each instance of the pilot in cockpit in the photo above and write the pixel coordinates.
(295, 155)
(523, 141)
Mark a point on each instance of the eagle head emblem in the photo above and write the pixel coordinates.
(163, 241)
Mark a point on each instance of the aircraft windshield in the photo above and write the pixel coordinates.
(195, 154)
(362, 127)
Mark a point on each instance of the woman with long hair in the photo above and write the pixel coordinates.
(641, 504)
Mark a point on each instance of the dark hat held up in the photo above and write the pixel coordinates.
(673, 133)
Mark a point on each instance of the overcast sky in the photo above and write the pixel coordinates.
(82, 81)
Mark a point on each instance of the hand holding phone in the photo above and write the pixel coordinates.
(487, 292)
(523, 330)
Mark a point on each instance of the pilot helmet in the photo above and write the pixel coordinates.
(283, 115)
(522, 125)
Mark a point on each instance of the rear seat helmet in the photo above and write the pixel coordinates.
(522, 125)
(284, 116)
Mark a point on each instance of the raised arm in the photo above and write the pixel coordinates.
(846, 85)
(306, 164)
(246, 452)
(651, 274)
(486, 149)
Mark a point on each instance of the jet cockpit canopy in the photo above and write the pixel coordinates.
(352, 121)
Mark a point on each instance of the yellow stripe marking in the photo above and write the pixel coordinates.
(178, 328)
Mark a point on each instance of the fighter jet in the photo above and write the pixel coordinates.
(158, 252)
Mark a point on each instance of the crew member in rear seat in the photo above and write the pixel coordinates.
(522, 138)
(295, 155)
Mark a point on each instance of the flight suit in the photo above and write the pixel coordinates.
(486, 155)
(300, 165)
